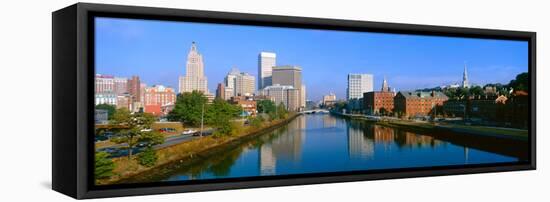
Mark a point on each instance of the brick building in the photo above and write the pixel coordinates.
(378, 102)
(413, 104)
(156, 97)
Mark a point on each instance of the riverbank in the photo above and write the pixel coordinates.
(505, 141)
(497, 132)
(188, 152)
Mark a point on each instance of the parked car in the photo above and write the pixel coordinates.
(189, 132)
(167, 130)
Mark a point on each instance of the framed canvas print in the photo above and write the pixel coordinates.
(155, 100)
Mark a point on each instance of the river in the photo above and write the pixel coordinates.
(316, 143)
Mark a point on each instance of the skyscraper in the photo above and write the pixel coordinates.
(465, 82)
(194, 78)
(134, 88)
(290, 76)
(245, 84)
(359, 84)
(266, 62)
(239, 83)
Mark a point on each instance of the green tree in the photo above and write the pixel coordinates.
(148, 157)
(219, 115)
(103, 165)
(266, 106)
(282, 113)
(135, 129)
(110, 109)
(521, 82)
(476, 90)
(188, 108)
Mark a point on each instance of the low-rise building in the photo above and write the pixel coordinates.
(418, 103)
(248, 104)
(287, 95)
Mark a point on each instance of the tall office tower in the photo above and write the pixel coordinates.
(134, 88)
(194, 79)
(220, 91)
(290, 76)
(266, 62)
(239, 83)
(465, 82)
(359, 84)
(245, 84)
(230, 82)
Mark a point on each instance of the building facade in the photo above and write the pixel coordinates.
(266, 62)
(121, 85)
(290, 76)
(287, 95)
(379, 102)
(104, 83)
(134, 88)
(245, 84)
(248, 104)
(329, 100)
(417, 104)
(194, 79)
(158, 96)
(358, 84)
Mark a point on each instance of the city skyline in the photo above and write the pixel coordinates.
(135, 47)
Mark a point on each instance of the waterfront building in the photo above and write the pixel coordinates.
(418, 103)
(266, 62)
(248, 104)
(288, 95)
(290, 76)
(156, 97)
(359, 84)
(379, 102)
(194, 79)
(329, 100)
(104, 83)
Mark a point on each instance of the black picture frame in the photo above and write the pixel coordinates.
(73, 90)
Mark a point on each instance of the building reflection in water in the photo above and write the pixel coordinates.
(286, 145)
(359, 146)
(329, 121)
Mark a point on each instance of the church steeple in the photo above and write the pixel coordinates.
(465, 82)
(385, 87)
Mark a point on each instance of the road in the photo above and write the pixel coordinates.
(120, 150)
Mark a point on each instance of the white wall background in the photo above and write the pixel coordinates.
(25, 77)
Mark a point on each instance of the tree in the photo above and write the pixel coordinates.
(521, 82)
(148, 157)
(476, 90)
(103, 165)
(110, 109)
(282, 112)
(188, 108)
(219, 115)
(266, 106)
(135, 129)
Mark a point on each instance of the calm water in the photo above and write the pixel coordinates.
(325, 143)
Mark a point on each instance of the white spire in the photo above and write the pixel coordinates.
(465, 82)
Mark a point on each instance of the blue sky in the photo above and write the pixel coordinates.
(157, 52)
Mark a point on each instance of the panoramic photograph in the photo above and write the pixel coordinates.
(188, 101)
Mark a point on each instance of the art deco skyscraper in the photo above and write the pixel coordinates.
(194, 79)
(266, 62)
